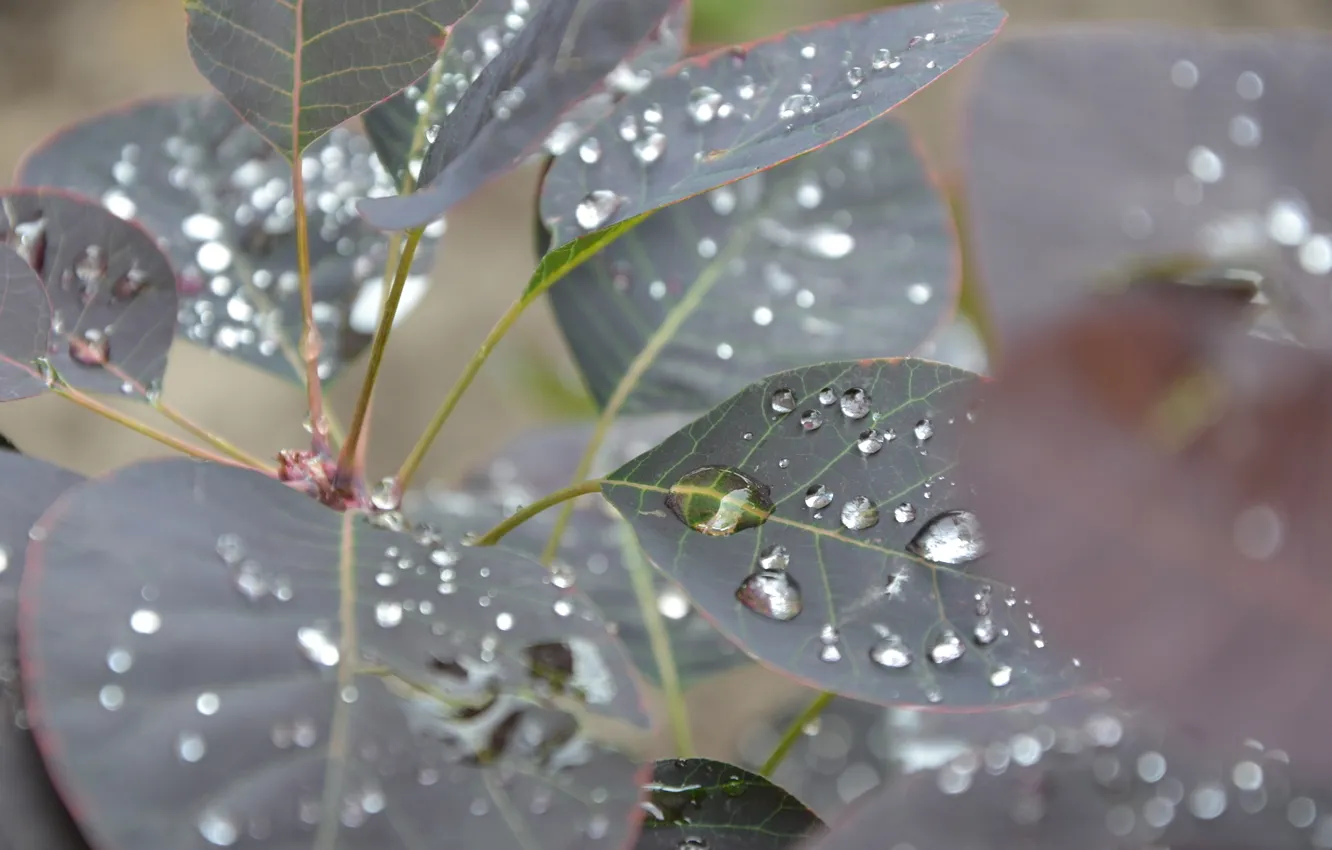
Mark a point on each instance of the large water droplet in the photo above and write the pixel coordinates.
(719, 501)
(890, 652)
(948, 649)
(904, 512)
(590, 150)
(869, 442)
(797, 104)
(703, 103)
(855, 403)
(818, 497)
(596, 208)
(860, 513)
(811, 420)
(783, 401)
(771, 593)
(827, 396)
(92, 348)
(145, 621)
(649, 149)
(952, 537)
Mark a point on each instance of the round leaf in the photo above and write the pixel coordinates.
(817, 519)
(24, 322)
(247, 665)
(219, 199)
(844, 253)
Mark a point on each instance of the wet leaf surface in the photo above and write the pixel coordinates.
(817, 519)
(203, 181)
(205, 668)
(32, 817)
(592, 551)
(506, 82)
(1092, 152)
(1201, 561)
(295, 70)
(700, 803)
(1114, 780)
(25, 319)
(716, 118)
(110, 294)
(844, 253)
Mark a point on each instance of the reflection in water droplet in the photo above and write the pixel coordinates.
(860, 513)
(783, 401)
(818, 497)
(771, 593)
(1001, 676)
(985, 632)
(869, 442)
(924, 430)
(596, 208)
(952, 537)
(904, 512)
(890, 652)
(811, 420)
(719, 501)
(827, 396)
(855, 403)
(948, 649)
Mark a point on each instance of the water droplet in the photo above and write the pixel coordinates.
(217, 828)
(809, 51)
(1258, 532)
(190, 746)
(775, 557)
(596, 208)
(855, 403)
(317, 646)
(985, 632)
(919, 293)
(145, 621)
(904, 512)
(1184, 74)
(952, 537)
(830, 652)
(771, 593)
(719, 501)
(723, 200)
(811, 420)
(1205, 165)
(924, 430)
(207, 703)
(112, 697)
(890, 652)
(948, 649)
(884, 60)
(809, 194)
(504, 621)
(672, 603)
(92, 348)
(649, 149)
(703, 103)
(869, 442)
(590, 150)
(797, 104)
(860, 513)
(388, 614)
(827, 396)
(1249, 86)
(119, 660)
(855, 76)
(746, 89)
(818, 497)
(1001, 676)
(763, 316)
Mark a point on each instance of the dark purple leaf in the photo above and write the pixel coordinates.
(1114, 781)
(298, 677)
(296, 69)
(397, 127)
(847, 252)
(32, 817)
(817, 519)
(110, 300)
(25, 321)
(1160, 484)
(714, 119)
(557, 58)
(220, 199)
(1090, 152)
(695, 804)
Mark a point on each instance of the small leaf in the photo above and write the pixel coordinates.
(700, 803)
(32, 817)
(295, 70)
(220, 198)
(554, 60)
(25, 321)
(1114, 780)
(717, 118)
(302, 675)
(1201, 559)
(1090, 153)
(844, 253)
(837, 544)
(483, 34)
(110, 294)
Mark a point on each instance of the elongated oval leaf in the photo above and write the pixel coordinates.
(846, 252)
(110, 292)
(249, 666)
(32, 817)
(554, 60)
(219, 198)
(698, 803)
(714, 119)
(827, 499)
(1200, 562)
(25, 322)
(295, 70)
(1090, 152)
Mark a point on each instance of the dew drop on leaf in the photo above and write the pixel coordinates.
(985, 632)
(692, 843)
(904, 512)
(797, 104)
(388, 614)
(783, 401)
(92, 348)
(649, 149)
(869, 442)
(775, 557)
(890, 652)
(703, 103)
(827, 396)
(719, 501)
(1001, 676)
(952, 537)
(860, 513)
(596, 208)
(855, 403)
(818, 497)
(924, 430)
(811, 420)
(316, 645)
(948, 649)
(771, 593)
(590, 151)
(217, 828)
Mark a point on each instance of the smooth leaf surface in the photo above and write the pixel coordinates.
(1115, 780)
(844, 253)
(555, 59)
(193, 173)
(701, 803)
(592, 551)
(1201, 560)
(805, 524)
(211, 656)
(1089, 152)
(25, 321)
(716, 118)
(397, 126)
(32, 817)
(295, 70)
(110, 296)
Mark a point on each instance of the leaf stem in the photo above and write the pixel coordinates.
(494, 535)
(377, 347)
(418, 453)
(640, 574)
(310, 343)
(220, 443)
(794, 731)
